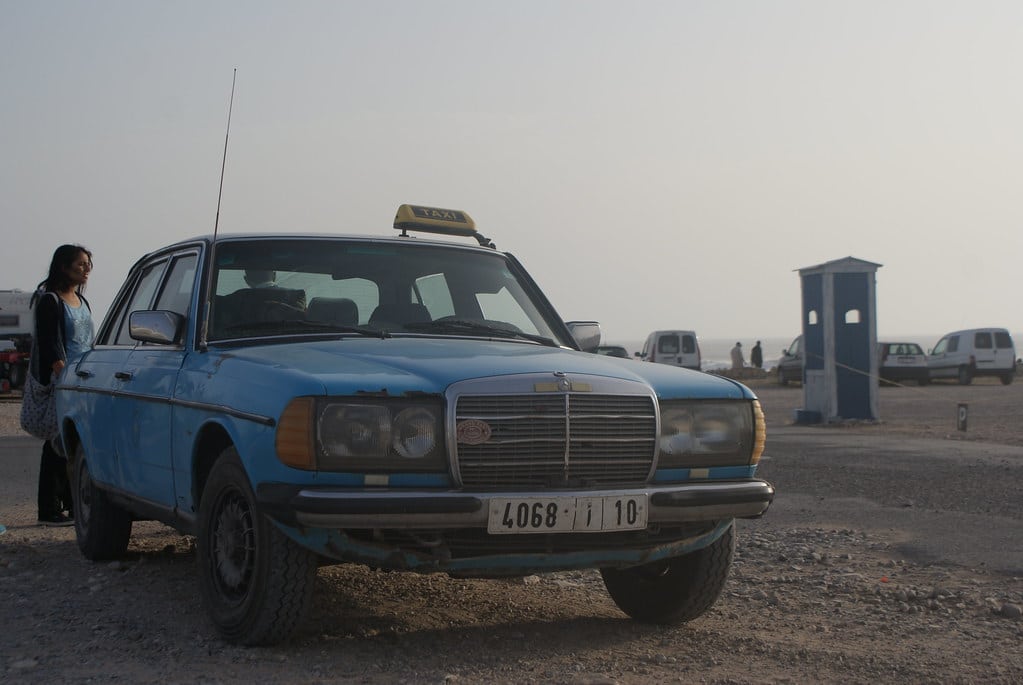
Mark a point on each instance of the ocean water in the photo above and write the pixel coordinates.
(716, 352)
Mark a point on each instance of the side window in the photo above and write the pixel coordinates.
(140, 299)
(435, 294)
(502, 306)
(982, 340)
(953, 343)
(1002, 340)
(176, 295)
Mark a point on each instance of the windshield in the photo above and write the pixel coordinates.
(309, 286)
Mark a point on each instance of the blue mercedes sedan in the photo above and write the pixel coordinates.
(406, 402)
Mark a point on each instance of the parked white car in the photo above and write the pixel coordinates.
(902, 361)
(965, 355)
(678, 348)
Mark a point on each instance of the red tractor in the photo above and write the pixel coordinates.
(13, 365)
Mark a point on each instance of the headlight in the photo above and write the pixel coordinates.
(371, 437)
(695, 433)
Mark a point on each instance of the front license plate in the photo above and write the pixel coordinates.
(567, 514)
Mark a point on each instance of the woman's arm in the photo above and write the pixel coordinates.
(49, 336)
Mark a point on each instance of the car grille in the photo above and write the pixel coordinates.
(558, 439)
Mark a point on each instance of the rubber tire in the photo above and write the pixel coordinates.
(965, 376)
(924, 381)
(17, 376)
(1007, 377)
(674, 590)
(781, 378)
(102, 528)
(255, 582)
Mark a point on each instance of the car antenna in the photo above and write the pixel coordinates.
(216, 224)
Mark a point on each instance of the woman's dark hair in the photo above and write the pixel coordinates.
(63, 257)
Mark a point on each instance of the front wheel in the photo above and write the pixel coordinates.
(102, 528)
(674, 590)
(255, 582)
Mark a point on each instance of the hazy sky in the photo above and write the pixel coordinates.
(653, 164)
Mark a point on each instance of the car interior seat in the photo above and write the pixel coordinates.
(335, 310)
(258, 305)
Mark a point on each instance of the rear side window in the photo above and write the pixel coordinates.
(1003, 340)
(982, 340)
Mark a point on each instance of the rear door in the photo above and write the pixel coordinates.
(984, 351)
(668, 349)
(690, 357)
(1005, 351)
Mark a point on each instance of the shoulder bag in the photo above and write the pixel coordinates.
(38, 401)
(39, 408)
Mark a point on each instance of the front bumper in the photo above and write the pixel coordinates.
(331, 507)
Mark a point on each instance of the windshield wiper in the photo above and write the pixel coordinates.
(285, 327)
(474, 326)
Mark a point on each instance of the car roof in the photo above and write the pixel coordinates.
(208, 239)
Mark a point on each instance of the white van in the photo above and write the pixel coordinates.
(964, 355)
(678, 348)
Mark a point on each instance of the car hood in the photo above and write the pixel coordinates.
(402, 365)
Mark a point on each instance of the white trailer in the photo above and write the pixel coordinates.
(15, 316)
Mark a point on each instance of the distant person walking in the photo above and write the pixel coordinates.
(63, 331)
(737, 361)
(756, 356)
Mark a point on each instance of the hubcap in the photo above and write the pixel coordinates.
(84, 503)
(234, 545)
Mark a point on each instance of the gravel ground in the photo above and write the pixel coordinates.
(817, 593)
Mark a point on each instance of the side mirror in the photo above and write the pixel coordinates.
(586, 333)
(159, 327)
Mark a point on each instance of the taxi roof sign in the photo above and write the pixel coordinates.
(437, 220)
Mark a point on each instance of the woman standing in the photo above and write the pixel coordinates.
(63, 331)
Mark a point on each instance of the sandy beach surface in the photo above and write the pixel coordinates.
(892, 553)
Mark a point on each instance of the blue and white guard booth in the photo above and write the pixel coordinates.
(839, 320)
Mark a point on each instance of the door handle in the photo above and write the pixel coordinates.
(123, 375)
(84, 374)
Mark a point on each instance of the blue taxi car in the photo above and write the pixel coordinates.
(402, 402)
